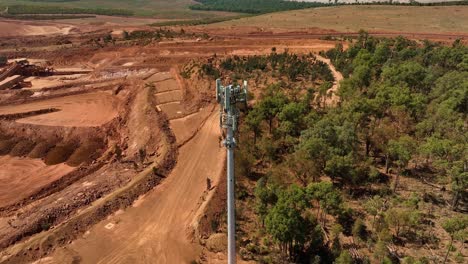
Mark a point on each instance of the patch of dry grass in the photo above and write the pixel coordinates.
(417, 19)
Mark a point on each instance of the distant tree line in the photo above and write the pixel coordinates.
(54, 1)
(253, 6)
(269, 6)
(46, 9)
(410, 3)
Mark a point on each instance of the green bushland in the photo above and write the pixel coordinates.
(60, 153)
(40, 150)
(402, 112)
(415, 3)
(50, 9)
(269, 6)
(164, 9)
(253, 6)
(288, 65)
(22, 148)
(412, 100)
(85, 153)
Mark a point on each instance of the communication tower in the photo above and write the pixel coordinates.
(230, 99)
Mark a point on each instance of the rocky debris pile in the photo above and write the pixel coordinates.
(13, 74)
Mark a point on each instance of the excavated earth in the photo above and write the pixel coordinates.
(109, 165)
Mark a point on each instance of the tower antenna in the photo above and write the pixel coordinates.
(229, 98)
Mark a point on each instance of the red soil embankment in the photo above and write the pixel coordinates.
(81, 110)
(15, 172)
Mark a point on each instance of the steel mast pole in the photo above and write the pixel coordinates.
(231, 212)
(228, 97)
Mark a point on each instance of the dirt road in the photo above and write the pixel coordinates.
(333, 97)
(155, 229)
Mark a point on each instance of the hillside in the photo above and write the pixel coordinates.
(441, 19)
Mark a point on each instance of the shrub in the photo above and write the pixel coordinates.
(3, 60)
(45, 225)
(359, 230)
(459, 257)
(210, 70)
(344, 258)
(214, 223)
(346, 220)
(142, 155)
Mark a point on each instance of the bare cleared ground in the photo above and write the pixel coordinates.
(89, 109)
(15, 172)
(185, 127)
(21, 28)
